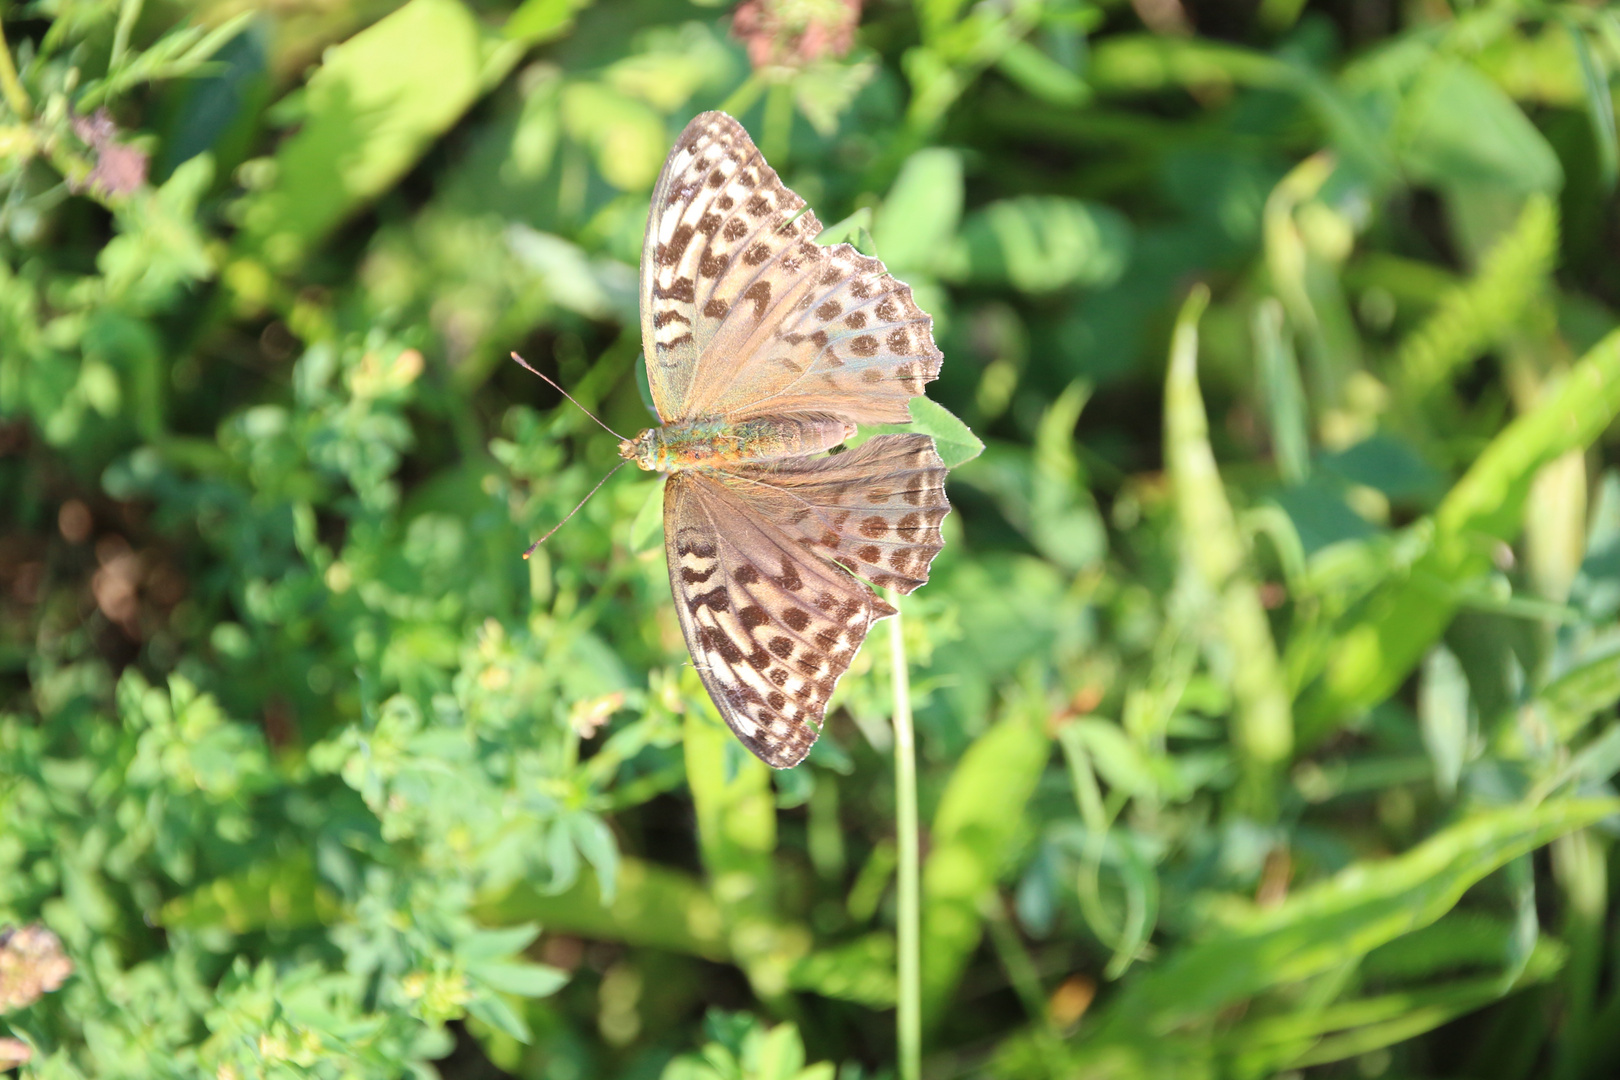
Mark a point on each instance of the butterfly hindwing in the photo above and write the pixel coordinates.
(771, 622)
(744, 315)
(770, 631)
(875, 510)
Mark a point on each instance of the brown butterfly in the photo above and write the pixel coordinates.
(764, 350)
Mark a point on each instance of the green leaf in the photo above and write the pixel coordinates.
(1443, 709)
(855, 230)
(542, 20)
(1473, 316)
(499, 1015)
(522, 979)
(1584, 691)
(1042, 76)
(653, 906)
(861, 971)
(595, 841)
(953, 439)
(277, 894)
(502, 942)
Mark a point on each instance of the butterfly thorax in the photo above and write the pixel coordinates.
(694, 444)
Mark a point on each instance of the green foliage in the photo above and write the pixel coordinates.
(1265, 692)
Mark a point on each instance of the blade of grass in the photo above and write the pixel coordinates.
(1213, 547)
(1282, 392)
(1599, 106)
(1343, 917)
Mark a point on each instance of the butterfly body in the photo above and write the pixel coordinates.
(764, 351)
(696, 444)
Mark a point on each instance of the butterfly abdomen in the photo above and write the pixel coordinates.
(694, 444)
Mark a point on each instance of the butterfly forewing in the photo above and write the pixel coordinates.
(770, 622)
(743, 315)
(714, 206)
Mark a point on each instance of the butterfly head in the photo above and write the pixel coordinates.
(645, 450)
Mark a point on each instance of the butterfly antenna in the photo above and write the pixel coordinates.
(570, 397)
(530, 550)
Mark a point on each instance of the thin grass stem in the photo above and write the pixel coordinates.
(909, 1014)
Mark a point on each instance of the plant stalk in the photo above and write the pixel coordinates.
(908, 1018)
(10, 85)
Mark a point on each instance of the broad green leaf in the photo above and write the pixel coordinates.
(1459, 129)
(1119, 761)
(919, 215)
(953, 439)
(279, 894)
(647, 528)
(598, 288)
(1040, 244)
(977, 818)
(369, 115)
(625, 135)
(654, 906)
(535, 21)
(855, 230)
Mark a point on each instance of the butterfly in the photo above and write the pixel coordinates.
(764, 350)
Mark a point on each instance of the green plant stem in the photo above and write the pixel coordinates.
(777, 136)
(10, 85)
(128, 12)
(909, 976)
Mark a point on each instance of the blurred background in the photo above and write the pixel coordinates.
(1266, 688)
